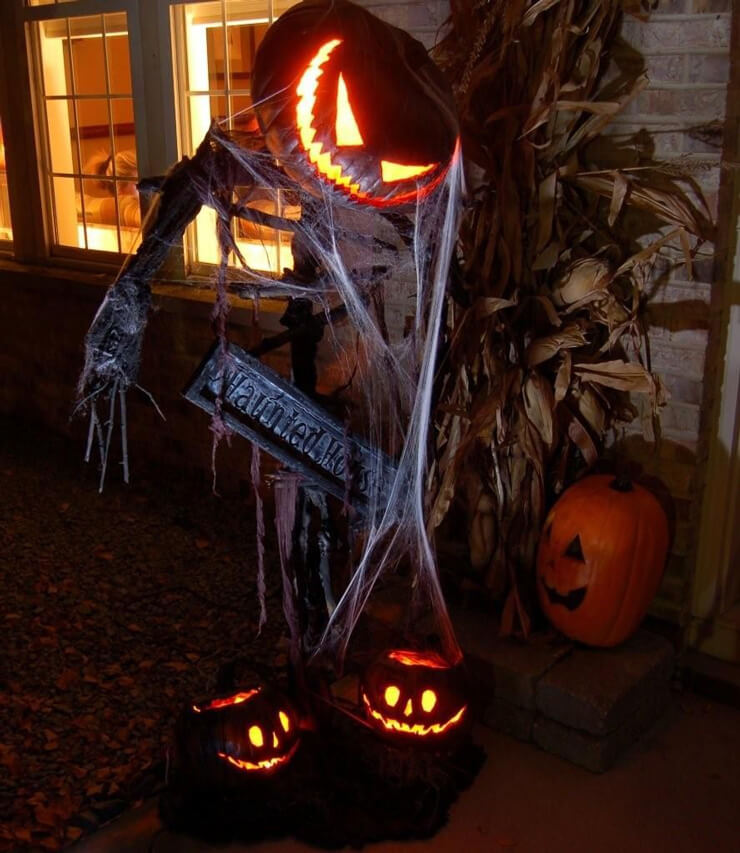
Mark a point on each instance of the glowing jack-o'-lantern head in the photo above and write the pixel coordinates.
(601, 558)
(253, 732)
(414, 696)
(350, 103)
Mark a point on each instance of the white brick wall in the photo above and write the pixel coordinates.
(422, 19)
(686, 49)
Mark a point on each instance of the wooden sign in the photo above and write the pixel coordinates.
(263, 407)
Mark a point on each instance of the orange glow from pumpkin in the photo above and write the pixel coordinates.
(306, 91)
(428, 700)
(431, 660)
(266, 764)
(236, 699)
(348, 133)
(392, 695)
(284, 721)
(418, 729)
(391, 172)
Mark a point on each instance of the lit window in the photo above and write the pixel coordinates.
(216, 44)
(90, 143)
(6, 230)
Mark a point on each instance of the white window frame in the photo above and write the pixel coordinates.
(161, 135)
(155, 120)
(195, 269)
(6, 246)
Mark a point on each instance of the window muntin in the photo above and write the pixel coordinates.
(85, 78)
(216, 43)
(6, 228)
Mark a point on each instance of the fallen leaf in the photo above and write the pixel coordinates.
(67, 679)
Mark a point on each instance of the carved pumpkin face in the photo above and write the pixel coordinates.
(350, 103)
(601, 558)
(416, 696)
(251, 732)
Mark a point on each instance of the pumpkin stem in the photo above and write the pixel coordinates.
(621, 483)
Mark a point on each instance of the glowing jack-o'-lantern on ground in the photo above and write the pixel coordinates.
(253, 732)
(601, 558)
(414, 696)
(350, 103)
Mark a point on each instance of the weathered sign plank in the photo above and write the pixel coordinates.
(263, 407)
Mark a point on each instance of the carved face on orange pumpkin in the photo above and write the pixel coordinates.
(601, 558)
(350, 103)
(252, 731)
(414, 695)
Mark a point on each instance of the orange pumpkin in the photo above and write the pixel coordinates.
(415, 696)
(601, 559)
(253, 732)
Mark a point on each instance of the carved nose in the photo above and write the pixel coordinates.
(407, 711)
(275, 740)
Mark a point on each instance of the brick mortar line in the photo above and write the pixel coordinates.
(547, 670)
(680, 121)
(677, 435)
(683, 375)
(709, 50)
(670, 85)
(659, 17)
(680, 404)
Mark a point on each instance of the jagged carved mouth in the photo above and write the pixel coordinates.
(571, 600)
(264, 765)
(418, 729)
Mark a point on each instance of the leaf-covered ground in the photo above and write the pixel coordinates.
(116, 609)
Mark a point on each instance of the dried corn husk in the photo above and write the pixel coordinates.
(581, 279)
(540, 359)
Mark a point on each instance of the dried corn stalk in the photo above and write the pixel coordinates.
(545, 341)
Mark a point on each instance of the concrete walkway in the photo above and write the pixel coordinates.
(676, 791)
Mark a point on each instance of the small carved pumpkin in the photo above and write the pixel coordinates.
(252, 732)
(601, 558)
(414, 696)
(349, 102)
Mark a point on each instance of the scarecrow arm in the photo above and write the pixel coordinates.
(113, 342)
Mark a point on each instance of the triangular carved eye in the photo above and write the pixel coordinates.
(391, 171)
(575, 550)
(347, 131)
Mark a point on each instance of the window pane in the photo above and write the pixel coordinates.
(243, 41)
(119, 69)
(280, 6)
(124, 139)
(94, 128)
(101, 220)
(242, 117)
(218, 86)
(56, 67)
(205, 46)
(90, 142)
(129, 216)
(68, 212)
(88, 55)
(219, 108)
(6, 230)
(63, 150)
